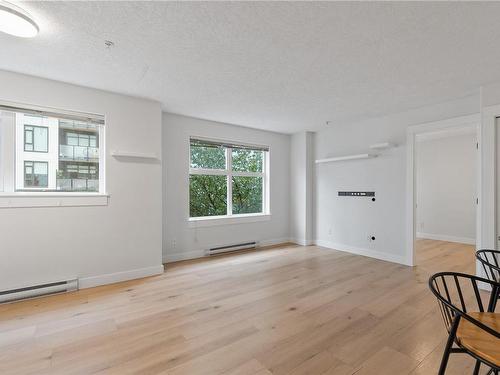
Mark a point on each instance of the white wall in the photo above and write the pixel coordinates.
(181, 241)
(96, 244)
(301, 185)
(346, 223)
(446, 187)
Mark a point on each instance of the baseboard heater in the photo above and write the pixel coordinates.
(38, 290)
(231, 248)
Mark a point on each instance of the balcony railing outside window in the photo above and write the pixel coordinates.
(77, 184)
(67, 152)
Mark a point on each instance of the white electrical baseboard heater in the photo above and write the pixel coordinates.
(231, 248)
(38, 290)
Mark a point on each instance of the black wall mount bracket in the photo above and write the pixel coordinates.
(356, 194)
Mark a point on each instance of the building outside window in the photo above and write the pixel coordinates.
(78, 156)
(227, 179)
(36, 174)
(50, 151)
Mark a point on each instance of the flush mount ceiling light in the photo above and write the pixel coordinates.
(15, 21)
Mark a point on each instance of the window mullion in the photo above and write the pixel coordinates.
(265, 185)
(212, 172)
(248, 174)
(229, 167)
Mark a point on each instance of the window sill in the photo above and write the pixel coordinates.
(35, 199)
(196, 222)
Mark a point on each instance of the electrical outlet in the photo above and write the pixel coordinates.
(330, 231)
(174, 244)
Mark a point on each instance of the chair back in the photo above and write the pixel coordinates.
(459, 293)
(490, 262)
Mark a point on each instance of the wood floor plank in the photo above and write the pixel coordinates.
(286, 310)
(250, 367)
(388, 361)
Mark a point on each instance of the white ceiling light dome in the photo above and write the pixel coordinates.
(16, 21)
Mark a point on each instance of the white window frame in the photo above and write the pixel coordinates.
(231, 218)
(10, 198)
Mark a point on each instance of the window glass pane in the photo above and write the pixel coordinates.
(245, 160)
(28, 135)
(247, 195)
(84, 140)
(93, 141)
(41, 180)
(41, 139)
(72, 139)
(28, 147)
(41, 168)
(92, 185)
(208, 157)
(207, 195)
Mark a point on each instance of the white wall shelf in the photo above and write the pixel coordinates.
(382, 146)
(347, 157)
(137, 155)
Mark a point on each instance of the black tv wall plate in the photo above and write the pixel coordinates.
(356, 193)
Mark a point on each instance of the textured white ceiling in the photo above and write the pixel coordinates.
(278, 66)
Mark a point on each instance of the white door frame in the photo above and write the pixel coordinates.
(488, 228)
(411, 135)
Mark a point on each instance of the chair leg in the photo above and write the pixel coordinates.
(446, 355)
(476, 368)
(449, 344)
(492, 372)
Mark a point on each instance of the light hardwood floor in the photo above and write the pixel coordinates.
(289, 310)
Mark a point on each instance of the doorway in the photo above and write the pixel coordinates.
(446, 193)
(443, 170)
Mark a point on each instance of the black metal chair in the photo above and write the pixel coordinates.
(490, 260)
(470, 318)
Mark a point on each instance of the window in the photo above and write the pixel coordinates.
(36, 138)
(227, 179)
(36, 174)
(79, 139)
(46, 151)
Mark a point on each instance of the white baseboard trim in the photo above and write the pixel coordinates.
(443, 237)
(195, 254)
(186, 255)
(302, 241)
(110, 278)
(273, 242)
(394, 258)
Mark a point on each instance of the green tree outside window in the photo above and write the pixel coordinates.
(208, 191)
